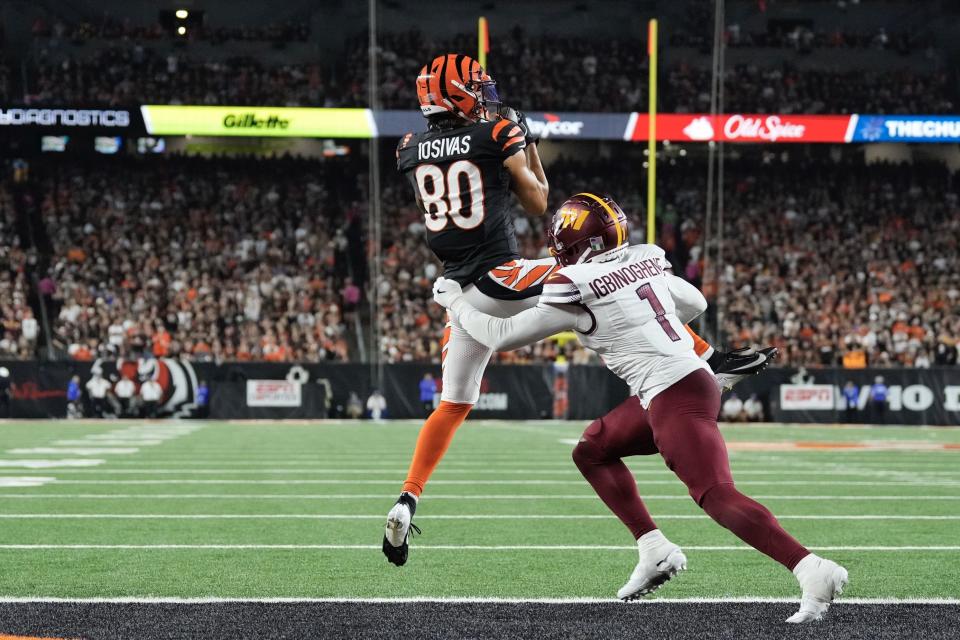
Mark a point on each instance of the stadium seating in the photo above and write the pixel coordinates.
(793, 284)
(212, 260)
(115, 64)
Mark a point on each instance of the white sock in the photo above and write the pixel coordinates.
(651, 540)
(809, 563)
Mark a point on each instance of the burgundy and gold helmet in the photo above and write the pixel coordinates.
(588, 227)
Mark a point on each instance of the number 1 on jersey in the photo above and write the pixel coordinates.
(645, 292)
(441, 197)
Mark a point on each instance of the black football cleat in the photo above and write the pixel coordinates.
(730, 367)
(399, 528)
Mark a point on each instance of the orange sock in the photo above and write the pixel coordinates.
(700, 346)
(435, 436)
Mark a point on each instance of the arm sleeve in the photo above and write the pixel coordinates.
(527, 327)
(506, 138)
(559, 289)
(690, 302)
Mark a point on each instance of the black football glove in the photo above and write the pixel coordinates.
(515, 115)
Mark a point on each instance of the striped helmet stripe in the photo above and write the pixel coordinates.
(613, 216)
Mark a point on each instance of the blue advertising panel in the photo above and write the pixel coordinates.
(907, 129)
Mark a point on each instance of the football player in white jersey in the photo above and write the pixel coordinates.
(627, 307)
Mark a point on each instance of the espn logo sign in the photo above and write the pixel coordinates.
(273, 393)
(806, 397)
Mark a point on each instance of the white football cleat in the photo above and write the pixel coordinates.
(660, 560)
(822, 580)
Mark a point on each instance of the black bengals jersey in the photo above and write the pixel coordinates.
(459, 178)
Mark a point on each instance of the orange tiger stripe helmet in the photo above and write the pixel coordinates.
(456, 84)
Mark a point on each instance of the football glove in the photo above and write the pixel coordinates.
(517, 116)
(445, 291)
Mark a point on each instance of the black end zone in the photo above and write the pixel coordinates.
(689, 621)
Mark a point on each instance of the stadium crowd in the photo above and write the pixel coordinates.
(836, 264)
(52, 31)
(584, 74)
(697, 31)
(206, 259)
(19, 329)
(545, 73)
(123, 75)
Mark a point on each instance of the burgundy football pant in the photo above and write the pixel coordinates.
(680, 425)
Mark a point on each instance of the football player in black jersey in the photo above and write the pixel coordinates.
(474, 153)
(463, 168)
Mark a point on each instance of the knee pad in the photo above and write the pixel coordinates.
(588, 450)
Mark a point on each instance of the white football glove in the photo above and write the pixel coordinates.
(445, 291)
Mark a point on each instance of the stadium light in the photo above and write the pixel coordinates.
(182, 14)
(182, 30)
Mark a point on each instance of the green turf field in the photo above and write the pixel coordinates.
(296, 510)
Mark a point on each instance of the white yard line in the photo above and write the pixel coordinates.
(825, 467)
(520, 483)
(391, 497)
(107, 443)
(75, 451)
(24, 481)
(570, 471)
(30, 465)
(572, 517)
(437, 547)
(454, 600)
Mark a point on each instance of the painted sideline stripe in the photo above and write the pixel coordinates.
(470, 600)
(578, 483)
(382, 496)
(436, 547)
(351, 516)
(76, 451)
(567, 471)
(24, 465)
(660, 477)
(102, 442)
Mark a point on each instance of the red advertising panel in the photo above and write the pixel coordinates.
(738, 127)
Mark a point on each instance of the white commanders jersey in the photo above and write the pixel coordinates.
(630, 311)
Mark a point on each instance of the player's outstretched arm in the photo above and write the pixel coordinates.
(506, 334)
(690, 302)
(528, 179)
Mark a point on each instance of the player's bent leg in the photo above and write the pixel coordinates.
(753, 523)
(432, 443)
(685, 428)
(463, 362)
(625, 431)
(686, 432)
